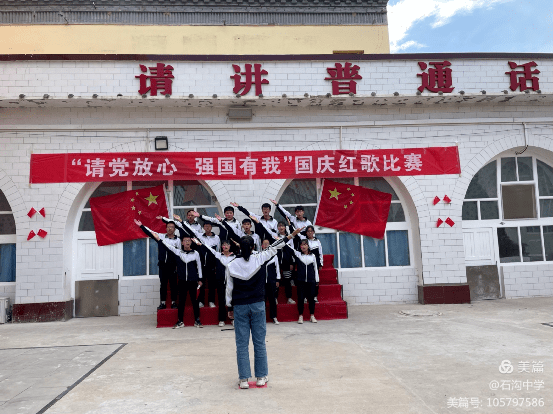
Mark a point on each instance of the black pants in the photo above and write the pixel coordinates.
(287, 282)
(167, 273)
(208, 276)
(221, 289)
(190, 288)
(306, 290)
(271, 294)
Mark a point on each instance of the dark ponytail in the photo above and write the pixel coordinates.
(246, 247)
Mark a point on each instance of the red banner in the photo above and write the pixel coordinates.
(154, 166)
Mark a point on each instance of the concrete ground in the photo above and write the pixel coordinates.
(384, 359)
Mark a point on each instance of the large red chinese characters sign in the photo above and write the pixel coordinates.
(79, 167)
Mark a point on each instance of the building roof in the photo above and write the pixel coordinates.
(190, 12)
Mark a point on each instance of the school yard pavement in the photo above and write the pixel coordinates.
(486, 357)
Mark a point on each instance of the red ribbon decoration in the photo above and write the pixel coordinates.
(42, 233)
(31, 212)
(31, 235)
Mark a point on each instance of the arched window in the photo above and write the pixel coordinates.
(7, 241)
(355, 251)
(515, 196)
(140, 256)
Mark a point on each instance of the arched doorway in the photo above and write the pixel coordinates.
(132, 263)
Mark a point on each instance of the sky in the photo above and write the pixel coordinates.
(433, 26)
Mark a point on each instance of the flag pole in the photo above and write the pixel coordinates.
(318, 203)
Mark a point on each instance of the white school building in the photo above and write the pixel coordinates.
(501, 204)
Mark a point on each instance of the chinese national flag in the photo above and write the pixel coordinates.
(353, 209)
(114, 215)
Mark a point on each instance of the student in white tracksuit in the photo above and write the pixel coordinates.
(307, 278)
(246, 294)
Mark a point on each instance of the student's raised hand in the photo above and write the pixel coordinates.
(274, 202)
(200, 283)
(234, 204)
(218, 217)
(288, 220)
(195, 240)
(195, 213)
(254, 219)
(159, 217)
(177, 217)
(138, 222)
(155, 235)
(235, 242)
(297, 231)
(231, 314)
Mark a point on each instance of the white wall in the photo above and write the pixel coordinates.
(42, 275)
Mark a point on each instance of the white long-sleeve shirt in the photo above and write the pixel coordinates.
(293, 219)
(240, 268)
(186, 257)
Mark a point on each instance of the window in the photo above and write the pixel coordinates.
(352, 250)
(7, 241)
(519, 191)
(140, 256)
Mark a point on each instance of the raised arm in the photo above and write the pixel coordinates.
(172, 249)
(209, 250)
(284, 212)
(187, 229)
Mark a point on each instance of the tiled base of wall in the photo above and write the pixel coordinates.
(528, 280)
(139, 296)
(444, 293)
(42, 312)
(379, 287)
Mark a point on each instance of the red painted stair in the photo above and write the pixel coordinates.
(330, 306)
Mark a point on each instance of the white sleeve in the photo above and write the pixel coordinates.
(172, 248)
(316, 270)
(216, 254)
(199, 264)
(210, 219)
(272, 250)
(277, 269)
(321, 252)
(196, 233)
(228, 290)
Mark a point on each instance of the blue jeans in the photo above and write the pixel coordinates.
(250, 318)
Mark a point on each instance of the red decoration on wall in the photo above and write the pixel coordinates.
(42, 212)
(522, 81)
(249, 79)
(42, 233)
(31, 212)
(449, 222)
(437, 79)
(439, 222)
(342, 78)
(96, 167)
(436, 200)
(31, 235)
(161, 79)
(447, 199)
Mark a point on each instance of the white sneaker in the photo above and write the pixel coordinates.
(275, 321)
(313, 319)
(243, 384)
(221, 324)
(178, 325)
(262, 381)
(211, 305)
(316, 299)
(300, 319)
(291, 301)
(200, 305)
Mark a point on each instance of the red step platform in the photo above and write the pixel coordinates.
(330, 306)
